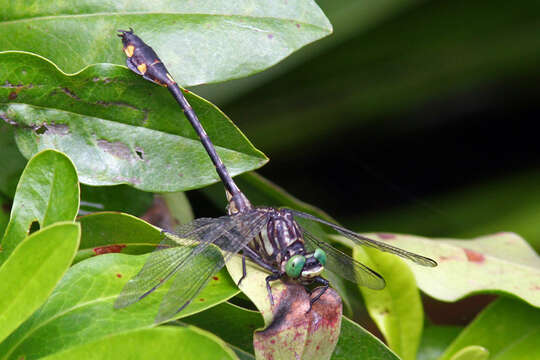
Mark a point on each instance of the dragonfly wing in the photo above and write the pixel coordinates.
(187, 284)
(345, 266)
(362, 240)
(171, 254)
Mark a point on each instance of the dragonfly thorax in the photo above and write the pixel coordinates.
(281, 244)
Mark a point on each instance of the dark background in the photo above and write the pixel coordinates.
(417, 117)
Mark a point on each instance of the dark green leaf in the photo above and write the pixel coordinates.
(80, 310)
(357, 343)
(114, 198)
(222, 318)
(168, 342)
(199, 41)
(47, 192)
(508, 329)
(116, 127)
(435, 339)
(12, 161)
(30, 274)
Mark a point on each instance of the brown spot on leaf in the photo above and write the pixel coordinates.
(12, 95)
(119, 275)
(215, 278)
(386, 236)
(70, 93)
(109, 249)
(474, 256)
(116, 148)
(298, 25)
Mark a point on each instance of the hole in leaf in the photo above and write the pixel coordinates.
(139, 152)
(41, 130)
(34, 226)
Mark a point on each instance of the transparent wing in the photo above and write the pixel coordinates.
(345, 266)
(362, 240)
(173, 251)
(187, 284)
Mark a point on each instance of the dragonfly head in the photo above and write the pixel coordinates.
(306, 266)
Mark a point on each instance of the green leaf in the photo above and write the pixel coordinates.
(500, 262)
(396, 309)
(80, 310)
(12, 161)
(32, 271)
(47, 192)
(473, 352)
(116, 127)
(357, 343)
(222, 318)
(199, 41)
(435, 339)
(168, 342)
(508, 329)
(111, 232)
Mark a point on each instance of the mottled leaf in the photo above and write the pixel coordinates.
(47, 192)
(32, 271)
(199, 41)
(116, 128)
(502, 262)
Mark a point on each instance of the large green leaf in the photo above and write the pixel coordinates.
(396, 309)
(501, 262)
(508, 329)
(199, 41)
(32, 271)
(48, 191)
(116, 127)
(80, 310)
(168, 342)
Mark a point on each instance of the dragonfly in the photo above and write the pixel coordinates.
(269, 237)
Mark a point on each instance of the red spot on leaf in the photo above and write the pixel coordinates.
(12, 95)
(119, 275)
(215, 278)
(318, 347)
(109, 249)
(298, 25)
(186, 91)
(386, 236)
(273, 341)
(474, 256)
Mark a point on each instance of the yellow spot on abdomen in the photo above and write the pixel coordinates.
(170, 77)
(142, 68)
(129, 50)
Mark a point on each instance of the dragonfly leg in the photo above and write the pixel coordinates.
(325, 287)
(273, 277)
(244, 272)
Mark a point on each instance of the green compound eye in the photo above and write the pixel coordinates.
(320, 255)
(294, 266)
